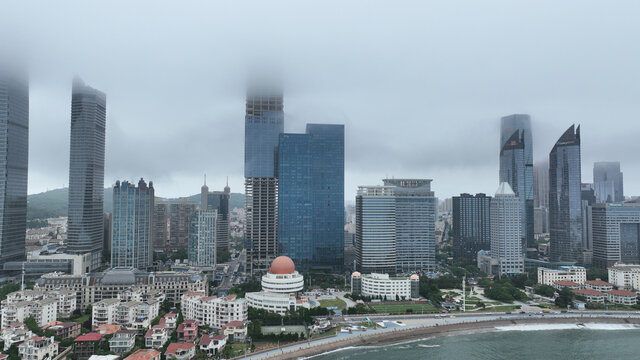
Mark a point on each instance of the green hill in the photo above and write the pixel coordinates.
(54, 203)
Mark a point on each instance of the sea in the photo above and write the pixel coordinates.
(522, 342)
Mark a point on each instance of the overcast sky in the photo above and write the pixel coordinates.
(420, 86)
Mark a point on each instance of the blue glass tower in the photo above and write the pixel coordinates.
(311, 197)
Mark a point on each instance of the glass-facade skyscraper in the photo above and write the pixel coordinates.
(311, 197)
(264, 122)
(14, 158)
(565, 198)
(471, 227)
(616, 233)
(133, 214)
(516, 167)
(202, 238)
(376, 229)
(608, 181)
(218, 201)
(86, 172)
(506, 245)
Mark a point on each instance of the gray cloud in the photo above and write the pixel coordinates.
(420, 86)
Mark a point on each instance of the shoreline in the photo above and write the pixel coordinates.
(411, 334)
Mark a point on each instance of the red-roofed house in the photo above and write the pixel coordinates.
(591, 295)
(598, 285)
(212, 344)
(561, 284)
(188, 330)
(84, 345)
(235, 331)
(156, 337)
(622, 297)
(144, 354)
(180, 351)
(169, 320)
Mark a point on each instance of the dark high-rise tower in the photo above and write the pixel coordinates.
(14, 151)
(565, 198)
(86, 172)
(471, 227)
(516, 166)
(218, 201)
(264, 122)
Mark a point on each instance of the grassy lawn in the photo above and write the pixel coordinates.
(238, 349)
(402, 308)
(333, 302)
(502, 308)
(331, 332)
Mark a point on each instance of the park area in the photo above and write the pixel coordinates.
(403, 308)
(331, 303)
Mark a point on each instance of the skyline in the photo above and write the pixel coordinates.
(463, 82)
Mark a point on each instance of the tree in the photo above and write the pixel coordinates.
(167, 305)
(88, 310)
(180, 255)
(544, 290)
(593, 274)
(564, 298)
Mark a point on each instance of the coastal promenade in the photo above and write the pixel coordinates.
(402, 329)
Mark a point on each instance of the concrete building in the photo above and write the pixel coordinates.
(91, 288)
(616, 233)
(212, 344)
(38, 348)
(608, 182)
(131, 315)
(385, 287)
(218, 201)
(598, 285)
(144, 354)
(202, 238)
(179, 222)
(591, 295)
(180, 351)
(85, 345)
(45, 307)
(471, 228)
(577, 274)
(133, 208)
(160, 225)
(123, 341)
(64, 330)
(14, 334)
(279, 303)
(625, 276)
(282, 277)
(86, 173)
(541, 184)
(235, 331)
(156, 337)
(507, 246)
(622, 297)
(213, 311)
(188, 330)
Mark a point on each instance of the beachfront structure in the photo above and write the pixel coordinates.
(276, 302)
(507, 247)
(38, 348)
(385, 287)
(616, 233)
(213, 311)
(561, 284)
(282, 277)
(622, 297)
(598, 285)
(577, 274)
(625, 276)
(94, 287)
(591, 295)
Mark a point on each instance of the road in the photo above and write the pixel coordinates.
(229, 277)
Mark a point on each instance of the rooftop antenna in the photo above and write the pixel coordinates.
(227, 181)
(205, 179)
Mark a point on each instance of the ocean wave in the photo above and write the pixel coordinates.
(589, 326)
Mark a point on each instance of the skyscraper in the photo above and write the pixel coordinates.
(541, 184)
(311, 197)
(616, 233)
(14, 158)
(376, 229)
(608, 181)
(264, 122)
(160, 225)
(202, 238)
(471, 228)
(218, 201)
(565, 197)
(133, 214)
(86, 172)
(516, 166)
(506, 245)
(179, 222)
(415, 224)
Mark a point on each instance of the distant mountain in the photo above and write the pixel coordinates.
(54, 203)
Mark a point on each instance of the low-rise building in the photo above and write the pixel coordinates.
(235, 331)
(85, 345)
(212, 344)
(64, 330)
(65, 299)
(625, 276)
(598, 285)
(43, 311)
(591, 295)
(144, 354)
(104, 312)
(188, 330)
(38, 348)
(15, 334)
(622, 297)
(132, 315)
(576, 274)
(156, 337)
(123, 341)
(213, 311)
(169, 320)
(276, 302)
(384, 286)
(559, 285)
(180, 351)
(108, 329)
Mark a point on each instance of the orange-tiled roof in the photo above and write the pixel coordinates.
(588, 292)
(598, 283)
(143, 354)
(621, 293)
(89, 337)
(108, 329)
(235, 324)
(173, 347)
(566, 283)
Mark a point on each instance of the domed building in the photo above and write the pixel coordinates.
(282, 277)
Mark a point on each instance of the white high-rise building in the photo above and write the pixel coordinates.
(507, 246)
(202, 238)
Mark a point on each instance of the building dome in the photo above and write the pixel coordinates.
(355, 274)
(415, 277)
(282, 265)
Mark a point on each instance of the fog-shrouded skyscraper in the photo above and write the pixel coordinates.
(608, 181)
(14, 158)
(471, 227)
(565, 198)
(202, 238)
(311, 197)
(264, 122)
(616, 233)
(506, 244)
(541, 184)
(133, 214)
(219, 202)
(86, 172)
(516, 166)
